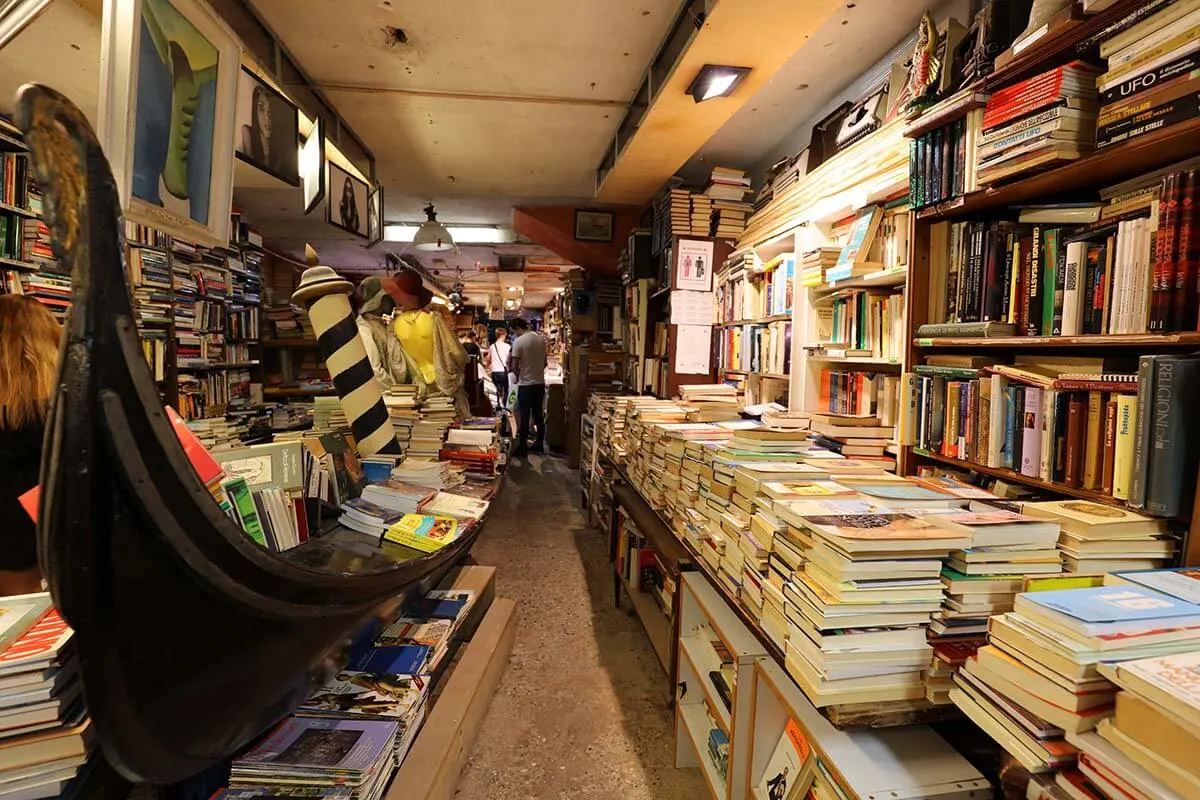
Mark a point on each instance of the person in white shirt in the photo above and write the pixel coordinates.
(498, 365)
(528, 360)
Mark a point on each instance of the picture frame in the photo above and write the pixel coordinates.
(346, 200)
(170, 140)
(266, 125)
(375, 217)
(312, 167)
(593, 226)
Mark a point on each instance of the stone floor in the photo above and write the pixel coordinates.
(581, 711)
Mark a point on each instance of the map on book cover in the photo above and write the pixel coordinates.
(370, 694)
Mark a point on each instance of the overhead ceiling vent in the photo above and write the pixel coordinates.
(508, 262)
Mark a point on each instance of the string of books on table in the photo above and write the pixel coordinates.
(350, 736)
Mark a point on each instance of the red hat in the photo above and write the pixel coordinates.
(408, 289)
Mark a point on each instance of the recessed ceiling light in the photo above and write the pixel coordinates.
(715, 80)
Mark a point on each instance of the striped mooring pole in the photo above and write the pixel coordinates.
(326, 296)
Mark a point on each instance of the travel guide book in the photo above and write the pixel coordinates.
(425, 532)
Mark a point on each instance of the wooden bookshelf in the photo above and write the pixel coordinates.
(1114, 341)
(1106, 167)
(1017, 477)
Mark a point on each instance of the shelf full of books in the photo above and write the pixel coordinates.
(1054, 305)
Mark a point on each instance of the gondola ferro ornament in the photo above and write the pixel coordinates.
(192, 640)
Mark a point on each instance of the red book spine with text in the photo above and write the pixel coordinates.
(1163, 250)
(1182, 310)
(1026, 97)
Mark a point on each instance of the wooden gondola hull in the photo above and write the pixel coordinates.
(192, 639)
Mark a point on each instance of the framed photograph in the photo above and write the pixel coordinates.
(593, 226)
(375, 216)
(267, 125)
(346, 201)
(312, 167)
(694, 265)
(168, 96)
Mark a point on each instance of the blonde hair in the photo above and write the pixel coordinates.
(29, 340)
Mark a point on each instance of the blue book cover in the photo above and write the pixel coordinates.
(1181, 582)
(1113, 604)
(406, 659)
(1010, 427)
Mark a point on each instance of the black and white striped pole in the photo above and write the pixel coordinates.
(326, 296)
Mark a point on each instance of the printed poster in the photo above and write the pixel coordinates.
(694, 266)
(693, 349)
(693, 308)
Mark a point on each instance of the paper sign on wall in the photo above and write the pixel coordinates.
(692, 308)
(694, 265)
(693, 349)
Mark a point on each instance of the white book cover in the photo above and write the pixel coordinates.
(1120, 280)
(1177, 675)
(1031, 429)
(1073, 288)
(997, 422)
(789, 773)
(1049, 400)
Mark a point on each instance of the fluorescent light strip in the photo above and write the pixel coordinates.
(462, 234)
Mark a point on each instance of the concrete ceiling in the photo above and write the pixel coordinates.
(477, 105)
(60, 49)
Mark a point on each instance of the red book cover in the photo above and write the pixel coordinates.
(1182, 310)
(207, 468)
(40, 643)
(1163, 249)
(29, 502)
(1025, 96)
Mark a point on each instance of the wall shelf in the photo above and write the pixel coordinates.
(1099, 340)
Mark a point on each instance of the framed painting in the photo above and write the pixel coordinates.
(312, 166)
(593, 226)
(267, 129)
(346, 201)
(375, 216)
(168, 94)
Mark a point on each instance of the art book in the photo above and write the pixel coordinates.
(317, 743)
(353, 693)
(424, 532)
(883, 526)
(789, 773)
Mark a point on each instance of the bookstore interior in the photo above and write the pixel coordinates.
(864, 358)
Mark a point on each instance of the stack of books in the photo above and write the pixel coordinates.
(729, 218)
(983, 579)
(45, 733)
(366, 517)
(1097, 538)
(727, 183)
(427, 472)
(315, 753)
(870, 581)
(328, 415)
(815, 263)
(858, 436)
(1037, 688)
(710, 402)
(1151, 79)
(474, 445)
(1011, 146)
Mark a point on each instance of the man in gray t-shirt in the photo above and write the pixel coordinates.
(527, 360)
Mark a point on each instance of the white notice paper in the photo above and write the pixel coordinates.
(694, 265)
(693, 349)
(692, 308)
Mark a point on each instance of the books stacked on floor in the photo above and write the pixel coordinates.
(858, 436)
(215, 433)
(1009, 147)
(815, 263)
(315, 753)
(861, 606)
(983, 579)
(1099, 538)
(1039, 687)
(45, 733)
(288, 321)
(784, 418)
(1150, 82)
(428, 472)
(710, 402)
(328, 414)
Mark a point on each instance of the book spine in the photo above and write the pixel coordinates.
(1058, 458)
(1031, 431)
(1172, 466)
(996, 426)
(1052, 304)
(1181, 86)
(1105, 289)
(1135, 486)
(1183, 312)
(1017, 412)
(1093, 452)
(1170, 249)
(1145, 60)
(1046, 455)
(1088, 320)
(992, 289)
(968, 415)
(1161, 116)
(1053, 115)
(1033, 316)
(1076, 426)
(1022, 98)
(975, 271)
(960, 157)
(1072, 289)
(948, 151)
(1007, 273)
(935, 175)
(1110, 442)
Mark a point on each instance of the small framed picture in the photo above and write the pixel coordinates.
(593, 226)
(312, 167)
(375, 216)
(346, 201)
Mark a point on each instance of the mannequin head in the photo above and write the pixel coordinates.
(376, 301)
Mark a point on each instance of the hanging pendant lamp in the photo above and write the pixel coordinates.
(432, 235)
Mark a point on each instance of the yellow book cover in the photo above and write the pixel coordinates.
(423, 532)
(1127, 411)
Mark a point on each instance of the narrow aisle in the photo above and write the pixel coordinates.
(581, 711)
